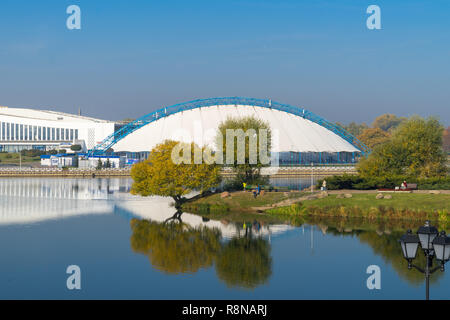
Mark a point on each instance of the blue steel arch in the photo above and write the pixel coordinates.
(112, 139)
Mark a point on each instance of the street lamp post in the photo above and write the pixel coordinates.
(434, 245)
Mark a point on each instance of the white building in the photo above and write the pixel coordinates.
(60, 160)
(92, 161)
(44, 130)
(299, 137)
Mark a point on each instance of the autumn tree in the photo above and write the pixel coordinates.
(387, 122)
(446, 140)
(373, 137)
(163, 174)
(415, 149)
(354, 128)
(245, 145)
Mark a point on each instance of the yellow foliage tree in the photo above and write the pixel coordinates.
(162, 174)
(373, 137)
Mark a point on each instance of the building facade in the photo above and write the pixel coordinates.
(22, 129)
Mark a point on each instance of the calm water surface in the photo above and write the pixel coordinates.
(132, 247)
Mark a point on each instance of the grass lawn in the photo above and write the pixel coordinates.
(243, 201)
(238, 207)
(410, 206)
(14, 158)
(412, 201)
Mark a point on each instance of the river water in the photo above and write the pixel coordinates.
(130, 247)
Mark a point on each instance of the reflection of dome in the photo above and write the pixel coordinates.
(158, 209)
(27, 200)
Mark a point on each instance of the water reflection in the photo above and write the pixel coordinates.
(237, 249)
(28, 200)
(382, 237)
(173, 246)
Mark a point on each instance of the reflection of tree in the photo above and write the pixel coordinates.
(245, 262)
(388, 247)
(175, 247)
(382, 236)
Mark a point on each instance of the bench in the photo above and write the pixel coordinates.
(412, 186)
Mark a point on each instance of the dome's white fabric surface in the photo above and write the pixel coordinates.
(289, 132)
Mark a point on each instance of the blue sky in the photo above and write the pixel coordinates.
(132, 57)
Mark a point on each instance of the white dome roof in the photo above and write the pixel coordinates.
(289, 132)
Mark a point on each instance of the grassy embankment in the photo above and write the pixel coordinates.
(239, 206)
(14, 158)
(411, 206)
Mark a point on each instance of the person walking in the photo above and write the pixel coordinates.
(324, 185)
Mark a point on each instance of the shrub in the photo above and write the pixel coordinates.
(32, 153)
(75, 147)
(357, 182)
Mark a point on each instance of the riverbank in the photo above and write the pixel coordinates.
(64, 172)
(418, 205)
(34, 169)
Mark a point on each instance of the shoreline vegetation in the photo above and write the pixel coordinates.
(368, 204)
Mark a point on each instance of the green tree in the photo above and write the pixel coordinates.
(245, 262)
(387, 122)
(99, 164)
(108, 163)
(75, 147)
(251, 147)
(161, 175)
(415, 149)
(373, 137)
